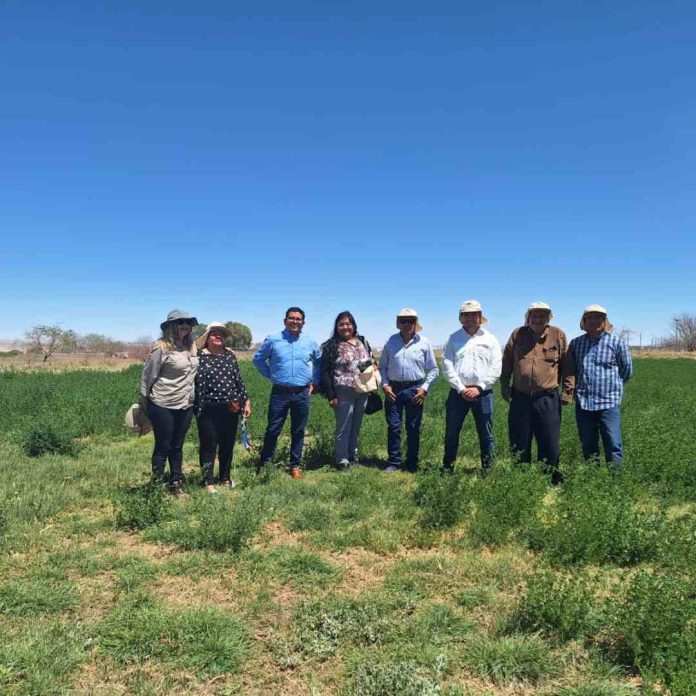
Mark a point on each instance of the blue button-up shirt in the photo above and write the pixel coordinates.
(601, 368)
(408, 362)
(291, 361)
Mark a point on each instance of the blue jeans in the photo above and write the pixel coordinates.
(592, 424)
(278, 407)
(457, 409)
(394, 411)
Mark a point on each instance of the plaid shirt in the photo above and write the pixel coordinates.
(601, 368)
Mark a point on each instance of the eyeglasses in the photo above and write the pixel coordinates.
(407, 320)
(183, 322)
(297, 320)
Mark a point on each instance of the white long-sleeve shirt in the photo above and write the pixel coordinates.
(472, 361)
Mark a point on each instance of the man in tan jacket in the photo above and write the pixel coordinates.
(538, 360)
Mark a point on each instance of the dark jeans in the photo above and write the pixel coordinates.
(394, 411)
(170, 427)
(592, 424)
(278, 407)
(537, 416)
(217, 430)
(456, 410)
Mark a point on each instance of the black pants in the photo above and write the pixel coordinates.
(170, 426)
(217, 430)
(539, 417)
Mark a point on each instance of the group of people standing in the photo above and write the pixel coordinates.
(539, 371)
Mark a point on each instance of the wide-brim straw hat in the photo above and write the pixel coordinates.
(214, 325)
(177, 314)
(537, 305)
(608, 326)
(473, 306)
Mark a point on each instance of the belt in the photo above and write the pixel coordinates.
(282, 389)
(405, 385)
(537, 394)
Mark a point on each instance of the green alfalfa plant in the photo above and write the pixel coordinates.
(441, 498)
(138, 507)
(507, 503)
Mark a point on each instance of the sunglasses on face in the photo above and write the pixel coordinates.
(183, 322)
(217, 334)
(407, 320)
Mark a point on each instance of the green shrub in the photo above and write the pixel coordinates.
(40, 440)
(507, 503)
(559, 605)
(392, 679)
(440, 497)
(652, 628)
(320, 627)
(598, 518)
(139, 507)
(218, 523)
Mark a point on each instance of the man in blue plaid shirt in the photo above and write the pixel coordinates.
(602, 366)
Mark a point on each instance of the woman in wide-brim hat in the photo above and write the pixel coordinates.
(167, 391)
(221, 398)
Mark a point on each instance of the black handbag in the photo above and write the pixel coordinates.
(374, 403)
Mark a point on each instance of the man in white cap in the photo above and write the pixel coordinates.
(602, 366)
(536, 356)
(471, 364)
(408, 369)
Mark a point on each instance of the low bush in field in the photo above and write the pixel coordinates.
(394, 679)
(205, 641)
(506, 502)
(559, 605)
(142, 506)
(320, 627)
(218, 523)
(43, 439)
(441, 498)
(597, 518)
(652, 628)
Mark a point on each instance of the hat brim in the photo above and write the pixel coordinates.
(484, 318)
(164, 324)
(203, 339)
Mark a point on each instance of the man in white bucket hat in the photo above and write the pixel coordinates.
(471, 364)
(408, 369)
(537, 359)
(602, 367)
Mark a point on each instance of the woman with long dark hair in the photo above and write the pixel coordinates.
(344, 356)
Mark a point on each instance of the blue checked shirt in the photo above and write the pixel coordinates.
(601, 368)
(291, 361)
(410, 362)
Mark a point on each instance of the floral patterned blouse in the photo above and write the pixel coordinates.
(346, 365)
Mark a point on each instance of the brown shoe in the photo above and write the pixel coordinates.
(295, 472)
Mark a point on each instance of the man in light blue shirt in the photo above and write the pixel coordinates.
(408, 369)
(292, 362)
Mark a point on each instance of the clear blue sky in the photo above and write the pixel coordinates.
(236, 158)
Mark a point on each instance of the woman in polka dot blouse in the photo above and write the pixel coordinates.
(221, 398)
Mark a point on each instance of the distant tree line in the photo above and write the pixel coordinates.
(45, 340)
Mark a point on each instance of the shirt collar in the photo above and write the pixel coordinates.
(289, 337)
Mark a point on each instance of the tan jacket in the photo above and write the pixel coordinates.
(538, 364)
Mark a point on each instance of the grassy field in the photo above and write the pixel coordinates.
(359, 583)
